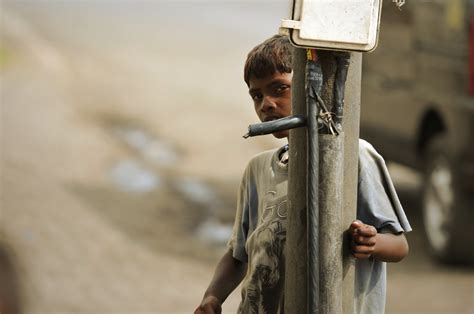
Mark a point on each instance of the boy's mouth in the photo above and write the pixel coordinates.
(270, 118)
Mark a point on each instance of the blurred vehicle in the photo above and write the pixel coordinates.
(418, 110)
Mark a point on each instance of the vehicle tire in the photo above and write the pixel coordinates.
(447, 209)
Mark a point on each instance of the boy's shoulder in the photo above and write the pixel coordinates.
(365, 148)
(262, 161)
(368, 154)
(262, 158)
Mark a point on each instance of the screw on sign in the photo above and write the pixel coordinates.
(399, 3)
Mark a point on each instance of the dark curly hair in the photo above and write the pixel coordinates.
(273, 55)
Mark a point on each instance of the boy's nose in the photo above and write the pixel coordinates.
(268, 103)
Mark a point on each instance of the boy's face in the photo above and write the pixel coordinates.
(271, 97)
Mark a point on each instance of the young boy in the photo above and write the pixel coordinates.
(256, 247)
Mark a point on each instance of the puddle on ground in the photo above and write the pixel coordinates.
(130, 176)
(214, 232)
(196, 191)
(210, 230)
(134, 177)
(149, 147)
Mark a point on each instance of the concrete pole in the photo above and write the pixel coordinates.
(296, 278)
(296, 274)
(351, 160)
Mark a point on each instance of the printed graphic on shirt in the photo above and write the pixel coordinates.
(260, 230)
(262, 290)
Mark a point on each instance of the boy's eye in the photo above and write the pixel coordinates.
(282, 88)
(256, 97)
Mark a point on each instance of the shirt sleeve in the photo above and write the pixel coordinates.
(241, 224)
(377, 201)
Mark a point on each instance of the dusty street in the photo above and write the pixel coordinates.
(121, 152)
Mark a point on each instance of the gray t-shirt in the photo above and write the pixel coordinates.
(259, 232)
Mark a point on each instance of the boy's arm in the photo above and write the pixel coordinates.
(385, 247)
(229, 273)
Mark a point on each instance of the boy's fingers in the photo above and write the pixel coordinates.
(211, 309)
(368, 241)
(209, 305)
(361, 256)
(356, 224)
(362, 249)
(199, 311)
(367, 231)
(206, 309)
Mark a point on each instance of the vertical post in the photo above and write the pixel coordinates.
(296, 278)
(331, 188)
(314, 82)
(351, 159)
(331, 227)
(338, 202)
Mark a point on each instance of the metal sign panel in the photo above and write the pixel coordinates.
(335, 24)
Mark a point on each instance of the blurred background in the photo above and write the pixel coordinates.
(122, 151)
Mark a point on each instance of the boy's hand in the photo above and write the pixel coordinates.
(209, 305)
(363, 239)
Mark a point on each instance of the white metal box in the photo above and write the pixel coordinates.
(335, 24)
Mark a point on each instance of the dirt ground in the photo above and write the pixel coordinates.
(121, 155)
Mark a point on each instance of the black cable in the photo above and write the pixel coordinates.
(342, 67)
(282, 124)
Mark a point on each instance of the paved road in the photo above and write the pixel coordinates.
(93, 92)
(419, 284)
